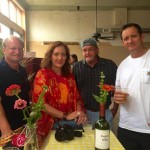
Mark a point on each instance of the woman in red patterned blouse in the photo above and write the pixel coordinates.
(62, 100)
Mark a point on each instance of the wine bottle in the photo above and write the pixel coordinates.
(102, 131)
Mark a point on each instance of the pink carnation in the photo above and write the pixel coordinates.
(20, 104)
(18, 140)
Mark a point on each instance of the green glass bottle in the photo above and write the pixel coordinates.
(102, 131)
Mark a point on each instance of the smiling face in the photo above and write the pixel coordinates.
(13, 50)
(58, 57)
(90, 53)
(132, 40)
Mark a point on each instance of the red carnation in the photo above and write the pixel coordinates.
(13, 89)
(107, 87)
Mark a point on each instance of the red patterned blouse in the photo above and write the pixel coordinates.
(62, 94)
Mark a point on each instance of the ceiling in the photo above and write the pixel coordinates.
(85, 5)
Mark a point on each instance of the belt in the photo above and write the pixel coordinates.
(93, 110)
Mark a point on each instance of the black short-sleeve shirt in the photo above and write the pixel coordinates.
(8, 76)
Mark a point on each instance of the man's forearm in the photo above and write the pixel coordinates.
(4, 125)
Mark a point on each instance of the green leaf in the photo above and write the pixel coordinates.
(97, 98)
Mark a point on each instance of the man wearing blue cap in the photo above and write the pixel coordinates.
(87, 75)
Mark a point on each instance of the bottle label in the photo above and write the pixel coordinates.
(102, 139)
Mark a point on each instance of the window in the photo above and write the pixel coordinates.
(12, 12)
(5, 31)
(16, 34)
(4, 7)
(12, 19)
(19, 18)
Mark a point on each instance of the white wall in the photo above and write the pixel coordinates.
(78, 25)
(75, 25)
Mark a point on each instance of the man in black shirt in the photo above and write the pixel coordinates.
(87, 75)
(12, 73)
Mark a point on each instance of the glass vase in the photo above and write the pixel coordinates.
(31, 139)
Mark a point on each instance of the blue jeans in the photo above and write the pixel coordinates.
(94, 116)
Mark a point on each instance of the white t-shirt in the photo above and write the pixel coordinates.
(134, 75)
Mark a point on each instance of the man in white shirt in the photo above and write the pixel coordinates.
(133, 75)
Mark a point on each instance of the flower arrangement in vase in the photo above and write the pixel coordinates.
(32, 114)
(102, 136)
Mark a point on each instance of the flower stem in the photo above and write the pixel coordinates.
(17, 96)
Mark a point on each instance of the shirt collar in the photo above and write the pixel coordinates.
(4, 63)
